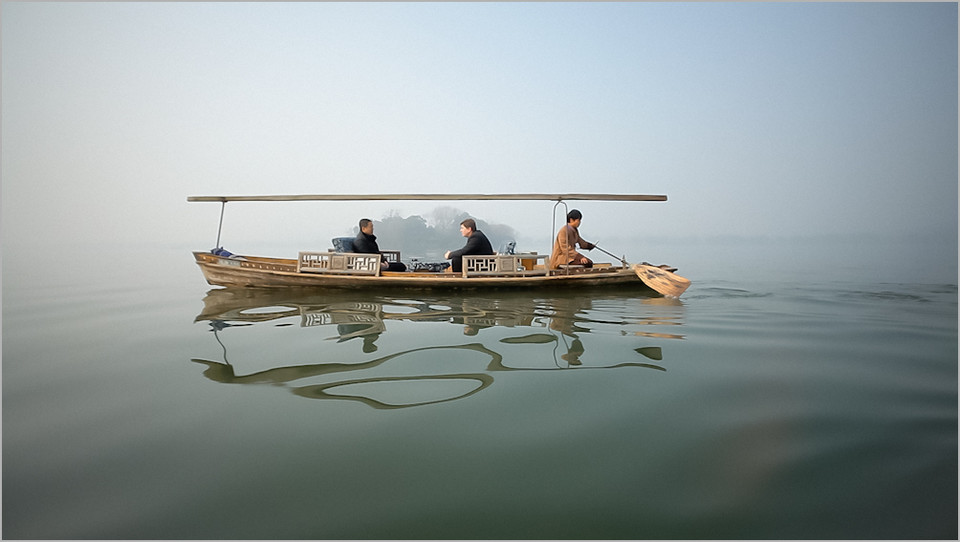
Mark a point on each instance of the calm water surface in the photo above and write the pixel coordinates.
(773, 401)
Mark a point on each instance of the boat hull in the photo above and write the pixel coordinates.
(260, 272)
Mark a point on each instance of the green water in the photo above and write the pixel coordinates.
(775, 406)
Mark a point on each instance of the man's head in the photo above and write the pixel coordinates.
(467, 227)
(574, 218)
(366, 226)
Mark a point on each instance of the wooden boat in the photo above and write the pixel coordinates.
(349, 270)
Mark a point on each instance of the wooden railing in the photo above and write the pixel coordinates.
(392, 256)
(503, 265)
(338, 262)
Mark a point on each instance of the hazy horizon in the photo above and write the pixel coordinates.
(782, 120)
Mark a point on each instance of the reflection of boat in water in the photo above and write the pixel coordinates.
(429, 374)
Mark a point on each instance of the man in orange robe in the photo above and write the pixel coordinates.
(564, 252)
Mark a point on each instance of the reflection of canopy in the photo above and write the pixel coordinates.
(223, 372)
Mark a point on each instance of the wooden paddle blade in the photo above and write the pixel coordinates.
(661, 280)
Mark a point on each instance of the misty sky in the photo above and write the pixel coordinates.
(755, 119)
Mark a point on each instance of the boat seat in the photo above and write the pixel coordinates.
(345, 245)
(342, 244)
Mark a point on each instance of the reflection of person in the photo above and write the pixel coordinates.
(564, 252)
(565, 319)
(366, 243)
(350, 331)
(477, 243)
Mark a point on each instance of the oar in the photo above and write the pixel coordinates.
(661, 280)
(624, 262)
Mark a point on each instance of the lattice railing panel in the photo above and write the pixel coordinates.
(502, 264)
(335, 262)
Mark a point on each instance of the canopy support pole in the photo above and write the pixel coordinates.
(554, 221)
(223, 206)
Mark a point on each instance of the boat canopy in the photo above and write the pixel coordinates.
(560, 199)
(426, 197)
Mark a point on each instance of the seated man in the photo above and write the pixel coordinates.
(477, 244)
(564, 252)
(366, 243)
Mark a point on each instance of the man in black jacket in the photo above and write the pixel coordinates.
(366, 243)
(477, 243)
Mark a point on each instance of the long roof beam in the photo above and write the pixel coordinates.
(425, 197)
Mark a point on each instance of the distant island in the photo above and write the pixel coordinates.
(415, 237)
